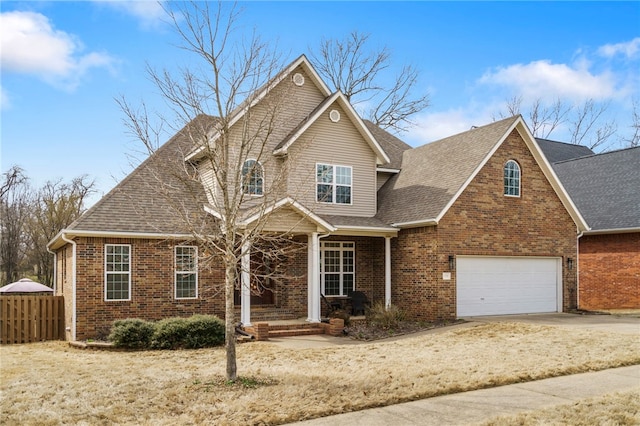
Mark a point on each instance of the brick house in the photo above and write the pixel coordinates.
(604, 187)
(474, 224)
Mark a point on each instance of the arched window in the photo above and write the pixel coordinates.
(512, 179)
(252, 177)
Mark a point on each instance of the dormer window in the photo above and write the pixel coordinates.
(252, 177)
(333, 184)
(511, 179)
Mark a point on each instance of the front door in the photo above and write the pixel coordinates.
(261, 281)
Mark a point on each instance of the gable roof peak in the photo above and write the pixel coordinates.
(283, 147)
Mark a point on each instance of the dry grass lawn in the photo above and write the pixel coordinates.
(51, 383)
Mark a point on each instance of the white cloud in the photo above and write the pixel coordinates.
(432, 126)
(31, 45)
(630, 49)
(150, 13)
(548, 81)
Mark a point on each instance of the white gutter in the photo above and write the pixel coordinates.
(416, 223)
(387, 170)
(611, 231)
(73, 286)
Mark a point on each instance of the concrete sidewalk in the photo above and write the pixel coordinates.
(482, 405)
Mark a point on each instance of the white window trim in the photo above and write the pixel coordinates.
(242, 178)
(334, 184)
(176, 272)
(321, 266)
(106, 273)
(519, 179)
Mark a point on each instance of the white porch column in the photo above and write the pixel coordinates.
(387, 272)
(245, 285)
(313, 278)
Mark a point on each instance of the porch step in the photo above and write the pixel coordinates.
(290, 328)
(269, 313)
(295, 332)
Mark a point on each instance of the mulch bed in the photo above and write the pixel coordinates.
(361, 330)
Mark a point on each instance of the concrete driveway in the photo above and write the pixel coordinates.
(629, 324)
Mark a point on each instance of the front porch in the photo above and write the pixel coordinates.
(336, 266)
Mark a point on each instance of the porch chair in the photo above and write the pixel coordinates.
(359, 302)
(332, 305)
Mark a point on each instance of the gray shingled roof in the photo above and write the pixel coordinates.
(354, 221)
(432, 174)
(604, 187)
(393, 146)
(561, 151)
(141, 202)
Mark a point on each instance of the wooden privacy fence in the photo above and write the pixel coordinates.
(25, 319)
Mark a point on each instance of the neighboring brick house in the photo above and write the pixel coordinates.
(604, 187)
(474, 224)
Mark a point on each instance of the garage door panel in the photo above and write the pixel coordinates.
(506, 285)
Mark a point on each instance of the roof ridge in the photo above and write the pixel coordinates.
(561, 142)
(511, 119)
(599, 154)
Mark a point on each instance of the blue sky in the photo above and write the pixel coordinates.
(64, 62)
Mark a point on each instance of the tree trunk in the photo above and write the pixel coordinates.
(229, 319)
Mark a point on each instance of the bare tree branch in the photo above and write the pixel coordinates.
(355, 70)
(633, 139)
(587, 127)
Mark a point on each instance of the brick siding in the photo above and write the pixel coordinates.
(482, 221)
(152, 283)
(609, 271)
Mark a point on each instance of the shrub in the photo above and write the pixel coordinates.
(204, 331)
(131, 333)
(379, 316)
(169, 333)
(198, 331)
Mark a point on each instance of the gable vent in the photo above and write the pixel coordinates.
(298, 79)
(334, 115)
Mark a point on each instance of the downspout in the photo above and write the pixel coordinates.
(578, 269)
(73, 285)
(55, 269)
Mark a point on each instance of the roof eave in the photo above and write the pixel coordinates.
(58, 241)
(415, 223)
(611, 231)
(367, 231)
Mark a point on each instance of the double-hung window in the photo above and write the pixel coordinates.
(511, 179)
(186, 269)
(337, 268)
(117, 271)
(333, 184)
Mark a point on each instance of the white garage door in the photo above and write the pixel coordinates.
(506, 285)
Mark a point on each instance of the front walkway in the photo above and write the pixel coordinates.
(485, 404)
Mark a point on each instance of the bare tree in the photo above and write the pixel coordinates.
(55, 206)
(355, 69)
(14, 212)
(633, 139)
(587, 125)
(227, 136)
(542, 119)
(585, 122)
